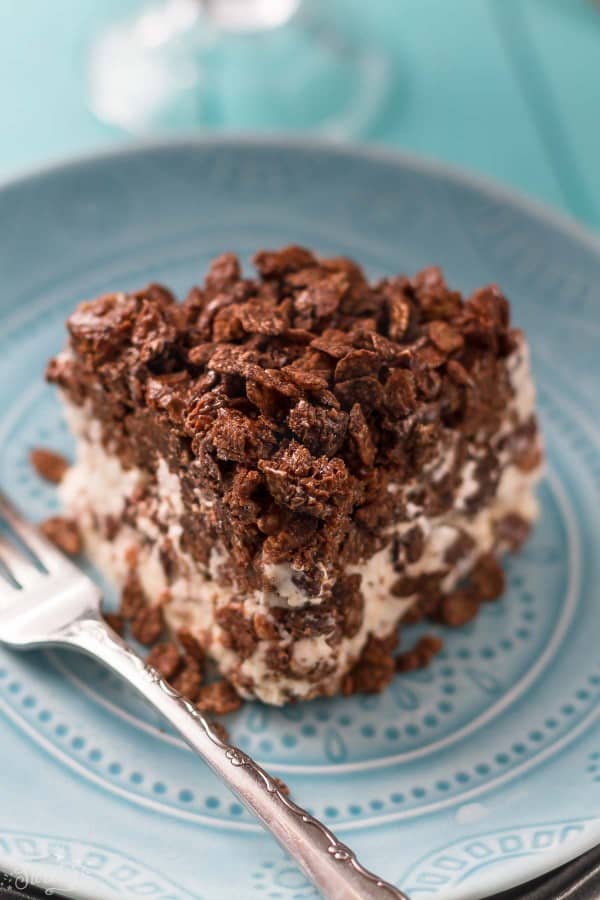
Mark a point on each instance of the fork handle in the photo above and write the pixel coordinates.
(332, 866)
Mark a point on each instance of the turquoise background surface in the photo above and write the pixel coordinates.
(508, 88)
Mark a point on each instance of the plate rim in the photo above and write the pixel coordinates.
(369, 151)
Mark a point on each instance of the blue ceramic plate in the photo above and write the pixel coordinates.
(476, 774)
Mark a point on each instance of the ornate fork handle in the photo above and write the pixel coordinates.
(332, 866)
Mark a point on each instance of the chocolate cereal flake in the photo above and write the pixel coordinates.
(459, 607)
(63, 533)
(190, 645)
(165, 658)
(133, 598)
(419, 656)
(189, 679)
(147, 624)
(487, 578)
(115, 621)
(48, 464)
(219, 698)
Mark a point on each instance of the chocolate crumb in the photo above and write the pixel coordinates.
(444, 336)
(114, 621)
(189, 679)
(131, 556)
(374, 670)
(457, 372)
(264, 627)
(458, 608)
(237, 632)
(281, 786)
(219, 698)
(487, 578)
(133, 598)
(219, 730)
(165, 658)
(63, 533)
(400, 392)
(49, 465)
(419, 656)
(147, 624)
(190, 644)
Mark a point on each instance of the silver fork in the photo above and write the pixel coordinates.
(60, 605)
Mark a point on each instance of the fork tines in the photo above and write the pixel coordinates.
(15, 562)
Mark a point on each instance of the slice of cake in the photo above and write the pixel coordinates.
(292, 464)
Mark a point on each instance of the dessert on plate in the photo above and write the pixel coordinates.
(292, 464)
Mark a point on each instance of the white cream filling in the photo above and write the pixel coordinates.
(519, 373)
(469, 484)
(281, 578)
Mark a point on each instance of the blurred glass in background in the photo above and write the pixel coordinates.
(231, 64)
(503, 87)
